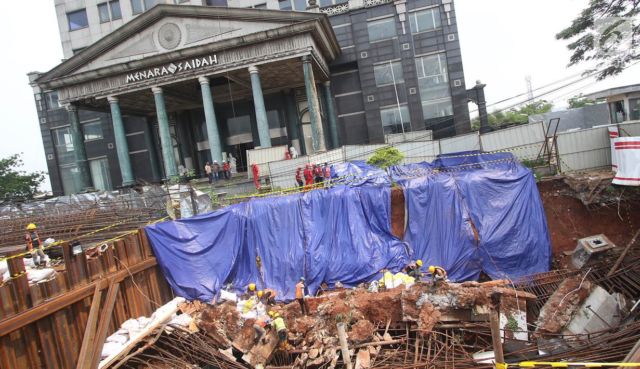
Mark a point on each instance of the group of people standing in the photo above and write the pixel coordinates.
(313, 173)
(217, 172)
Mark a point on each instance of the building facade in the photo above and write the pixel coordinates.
(147, 87)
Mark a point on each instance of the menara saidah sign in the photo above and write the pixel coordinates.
(172, 68)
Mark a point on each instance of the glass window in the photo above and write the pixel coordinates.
(437, 108)
(77, 19)
(70, 176)
(136, 6)
(618, 115)
(239, 125)
(433, 82)
(217, 3)
(300, 5)
(324, 3)
(100, 174)
(394, 118)
(148, 4)
(273, 117)
(388, 73)
(63, 142)
(92, 131)
(103, 12)
(424, 20)
(284, 4)
(634, 109)
(52, 100)
(381, 29)
(116, 13)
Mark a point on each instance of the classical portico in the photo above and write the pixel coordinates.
(210, 80)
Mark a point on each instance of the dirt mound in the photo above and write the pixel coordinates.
(362, 331)
(380, 307)
(428, 318)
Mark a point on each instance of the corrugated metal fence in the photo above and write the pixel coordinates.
(577, 150)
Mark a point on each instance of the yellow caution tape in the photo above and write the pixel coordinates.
(565, 364)
(23, 254)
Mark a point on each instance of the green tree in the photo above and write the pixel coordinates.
(605, 33)
(579, 102)
(515, 115)
(385, 157)
(16, 183)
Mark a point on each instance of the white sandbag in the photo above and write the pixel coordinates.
(39, 275)
(4, 268)
(228, 296)
(118, 338)
(111, 348)
(182, 320)
(28, 262)
(132, 326)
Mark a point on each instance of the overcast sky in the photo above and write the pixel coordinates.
(502, 42)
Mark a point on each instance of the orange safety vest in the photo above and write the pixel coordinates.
(273, 293)
(300, 290)
(30, 240)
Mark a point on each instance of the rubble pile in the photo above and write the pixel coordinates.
(367, 316)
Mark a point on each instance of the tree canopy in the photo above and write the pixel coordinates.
(516, 115)
(579, 102)
(605, 33)
(16, 183)
(385, 157)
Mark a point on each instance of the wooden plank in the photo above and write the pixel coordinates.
(45, 338)
(84, 359)
(103, 325)
(62, 332)
(19, 320)
(496, 337)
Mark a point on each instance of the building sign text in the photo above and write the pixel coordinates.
(172, 68)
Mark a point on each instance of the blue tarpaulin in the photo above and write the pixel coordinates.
(491, 191)
(342, 234)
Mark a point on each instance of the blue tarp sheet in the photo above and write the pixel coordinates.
(337, 235)
(342, 234)
(491, 191)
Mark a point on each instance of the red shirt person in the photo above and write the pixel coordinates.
(308, 175)
(256, 175)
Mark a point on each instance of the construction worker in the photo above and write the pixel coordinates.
(308, 177)
(326, 170)
(251, 290)
(256, 175)
(270, 296)
(280, 327)
(437, 273)
(300, 295)
(34, 246)
(317, 172)
(415, 271)
(299, 177)
(260, 327)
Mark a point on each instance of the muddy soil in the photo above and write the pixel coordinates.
(397, 212)
(569, 220)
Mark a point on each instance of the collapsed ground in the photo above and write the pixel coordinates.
(448, 325)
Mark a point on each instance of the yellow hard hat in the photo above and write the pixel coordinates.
(252, 286)
(260, 293)
(381, 284)
(432, 269)
(419, 262)
(276, 315)
(272, 313)
(31, 227)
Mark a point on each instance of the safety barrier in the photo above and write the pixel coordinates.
(45, 325)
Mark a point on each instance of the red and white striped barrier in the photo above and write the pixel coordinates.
(627, 152)
(613, 134)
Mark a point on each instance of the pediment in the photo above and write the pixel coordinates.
(164, 31)
(175, 33)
